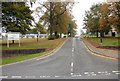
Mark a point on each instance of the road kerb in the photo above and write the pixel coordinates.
(52, 52)
(98, 54)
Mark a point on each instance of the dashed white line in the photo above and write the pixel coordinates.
(16, 76)
(71, 64)
(57, 76)
(71, 73)
(3, 77)
(86, 73)
(29, 76)
(72, 49)
(115, 71)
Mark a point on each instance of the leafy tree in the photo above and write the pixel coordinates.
(16, 17)
(53, 10)
(103, 21)
(115, 16)
(97, 19)
(39, 28)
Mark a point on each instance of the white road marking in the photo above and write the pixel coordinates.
(29, 76)
(16, 76)
(72, 49)
(94, 74)
(77, 75)
(108, 74)
(86, 73)
(71, 64)
(115, 71)
(3, 77)
(57, 76)
(71, 73)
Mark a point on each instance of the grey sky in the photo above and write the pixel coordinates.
(79, 11)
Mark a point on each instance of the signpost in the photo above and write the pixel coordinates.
(13, 36)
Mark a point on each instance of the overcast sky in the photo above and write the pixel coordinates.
(79, 11)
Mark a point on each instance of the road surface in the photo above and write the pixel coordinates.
(72, 61)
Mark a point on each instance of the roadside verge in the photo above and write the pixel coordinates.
(39, 55)
(111, 54)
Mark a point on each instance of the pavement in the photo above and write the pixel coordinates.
(71, 61)
(108, 53)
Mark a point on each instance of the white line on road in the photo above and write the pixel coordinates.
(16, 76)
(3, 77)
(29, 76)
(115, 71)
(57, 76)
(77, 75)
(71, 73)
(72, 49)
(71, 64)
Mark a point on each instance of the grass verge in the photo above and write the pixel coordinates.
(33, 44)
(106, 41)
(30, 43)
(20, 58)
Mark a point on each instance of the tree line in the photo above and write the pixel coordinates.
(103, 18)
(16, 17)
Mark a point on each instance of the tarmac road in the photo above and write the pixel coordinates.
(72, 61)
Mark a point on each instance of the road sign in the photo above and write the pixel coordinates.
(13, 36)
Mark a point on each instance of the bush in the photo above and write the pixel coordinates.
(51, 37)
(64, 36)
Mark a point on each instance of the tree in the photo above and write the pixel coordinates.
(16, 17)
(39, 28)
(97, 19)
(103, 21)
(115, 16)
(53, 13)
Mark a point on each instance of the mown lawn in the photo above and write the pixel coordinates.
(106, 41)
(19, 58)
(30, 44)
(33, 44)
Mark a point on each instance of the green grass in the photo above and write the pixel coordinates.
(19, 58)
(33, 44)
(106, 41)
(29, 44)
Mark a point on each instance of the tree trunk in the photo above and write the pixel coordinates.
(51, 19)
(56, 35)
(97, 34)
(101, 34)
(13, 41)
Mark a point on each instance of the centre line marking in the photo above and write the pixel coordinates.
(115, 71)
(71, 64)
(3, 76)
(16, 76)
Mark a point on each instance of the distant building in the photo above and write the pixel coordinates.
(34, 35)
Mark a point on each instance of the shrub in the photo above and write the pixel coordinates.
(51, 37)
(64, 36)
